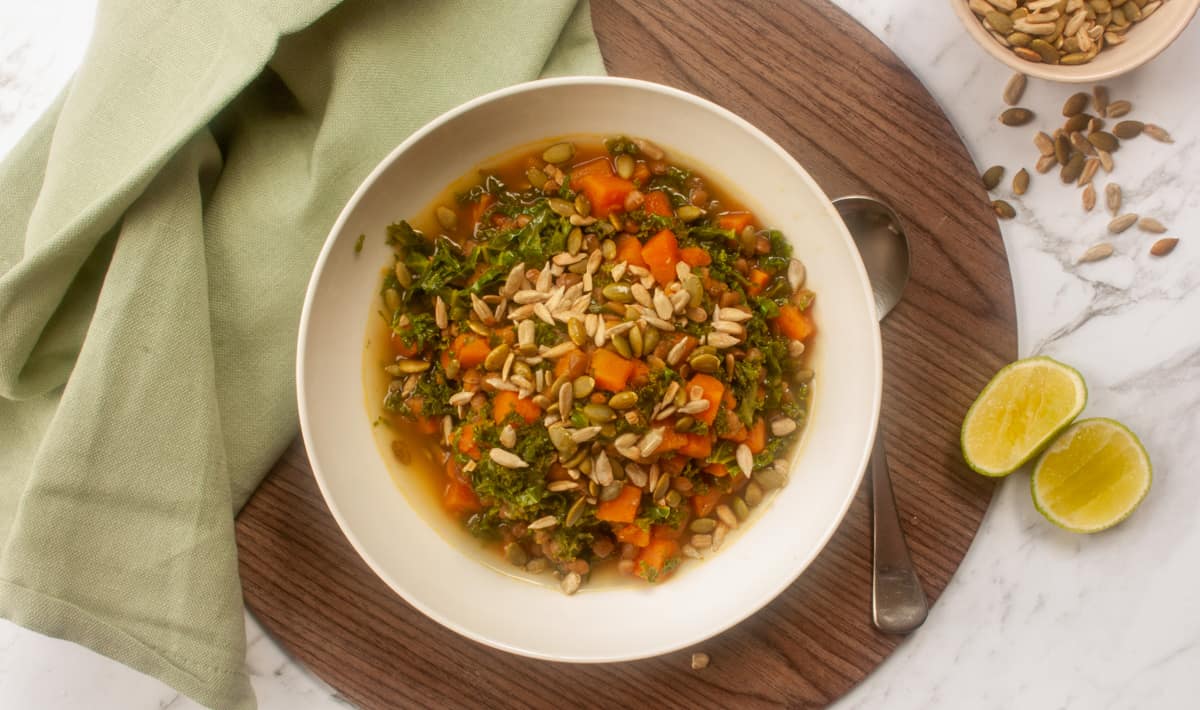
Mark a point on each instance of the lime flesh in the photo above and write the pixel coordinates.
(1019, 412)
(1092, 477)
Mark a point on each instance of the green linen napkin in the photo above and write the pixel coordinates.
(158, 228)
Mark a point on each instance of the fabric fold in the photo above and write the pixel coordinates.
(160, 224)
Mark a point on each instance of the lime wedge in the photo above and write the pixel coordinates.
(1092, 477)
(1020, 411)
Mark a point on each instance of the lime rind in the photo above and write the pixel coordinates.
(1065, 441)
(1039, 361)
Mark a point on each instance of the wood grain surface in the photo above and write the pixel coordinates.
(860, 122)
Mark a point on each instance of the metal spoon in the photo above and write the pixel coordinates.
(898, 603)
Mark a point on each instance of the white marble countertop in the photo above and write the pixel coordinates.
(1035, 617)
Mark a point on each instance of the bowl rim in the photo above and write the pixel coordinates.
(1051, 72)
(753, 604)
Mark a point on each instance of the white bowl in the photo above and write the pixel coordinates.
(1144, 41)
(429, 565)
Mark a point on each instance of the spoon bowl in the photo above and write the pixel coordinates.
(882, 244)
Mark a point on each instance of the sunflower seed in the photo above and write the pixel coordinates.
(745, 459)
(1081, 144)
(1158, 133)
(1106, 160)
(659, 323)
(1044, 143)
(722, 340)
(602, 472)
(570, 583)
(992, 177)
(1112, 197)
(1120, 224)
(1089, 197)
(1117, 109)
(1016, 116)
(1163, 246)
(506, 459)
(559, 153)
(1149, 224)
(650, 442)
(529, 296)
(1089, 170)
(1020, 183)
(1098, 252)
(662, 305)
(561, 486)
(1045, 163)
(508, 436)
(783, 426)
(1015, 88)
(1062, 148)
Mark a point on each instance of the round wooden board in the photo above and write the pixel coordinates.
(860, 122)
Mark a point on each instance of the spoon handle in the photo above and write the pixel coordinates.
(898, 603)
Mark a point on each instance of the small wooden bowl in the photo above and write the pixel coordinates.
(1143, 43)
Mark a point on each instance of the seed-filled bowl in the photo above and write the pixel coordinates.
(1140, 40)
(445, 573)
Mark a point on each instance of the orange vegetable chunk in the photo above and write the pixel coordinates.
(737, 221)
(657, 560)
(694, 256)
(713, 390)
(506, 402)
(598, 166)
(661, 253)
(794, 323)
(623, 508)
(658, 203)
(630, 249)
(610, 370)
(605, 192)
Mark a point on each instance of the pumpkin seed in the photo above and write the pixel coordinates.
(673, 498)
(561, 207)
(391, 298)
(620, 343)
(992, 177)
(726, 516)
(1020, 183)
(740, 509)
(1073, 168)
(1158, 133)
(407, 367)
(704, 362)
(536, 178)
(1164, 246)
(608, 249)
(1120, 224)
(1104, 141)
(1119, 108)
(635, 341)
(770, 478)
(559, 153)
(689, 213)
(1000, 22)
(1015, 88)
(1045, 50)
(515, 554)
(1089, 197)
(661, 487)
(1098, 252)
(684, 423)
(625, 165)
(403, 275)
(650, 340)
(753, 494)
(1112, 197)
(618, 292)
(1062, 148)
(1100, 99)
(1016, 116)
(1128, 129)
(703, 525)
(623, 400)
(1075, 104)
(496, 357)
(583, 205)
(599, 413)
(447, 217)
(1003, 210)
(560, 437)
(1149, 224)
(1020, 39)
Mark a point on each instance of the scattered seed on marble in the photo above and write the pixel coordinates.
(1112, 197)
(1163, 246)
(1075, 104)
(1120, 224)
(1020, 183)
(1089, 197)
(1149, 224)
(1003, 209)
(1158, 133)
(1098, 252)
(1016, 116)
(1116, 109)
(1128, 129)
(1014, 89)
(992, 177)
